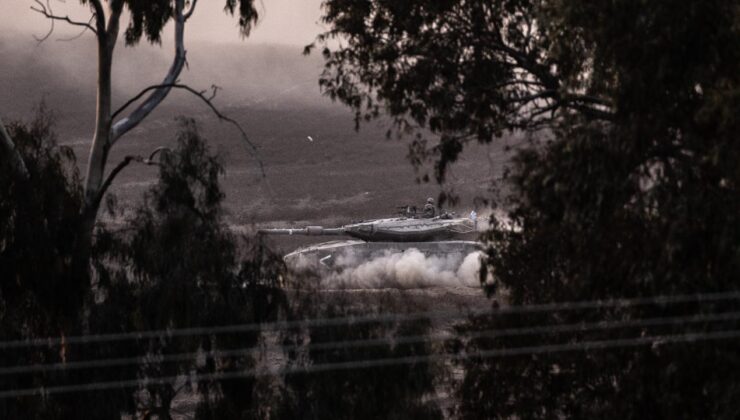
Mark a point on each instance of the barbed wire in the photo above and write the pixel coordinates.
(381, 362)
(387, 317)
(412, 339)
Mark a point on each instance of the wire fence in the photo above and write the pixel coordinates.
(380, 362)
(393, 340)
(682, 320)
(388, 317)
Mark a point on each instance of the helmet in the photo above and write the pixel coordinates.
(430, 200)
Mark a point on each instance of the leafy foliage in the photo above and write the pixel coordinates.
(638, 207)
(630, 188)
(41, 288)
(148, 17)
(171, 262)
(174, 264)
(36, 211)
(180, 262)
(461, 70)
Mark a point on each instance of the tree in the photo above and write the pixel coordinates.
(626, 190)
(41, 293)
(36, 236)
(46, 240)
(462, 70)
(146, 21)
(173, 264)
(181, 265)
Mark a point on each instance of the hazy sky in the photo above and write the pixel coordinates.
(282, 21)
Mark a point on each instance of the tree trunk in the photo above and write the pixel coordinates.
(102, 138)
(106, 132)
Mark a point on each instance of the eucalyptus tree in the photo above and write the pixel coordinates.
(49, 212)
(146, 21)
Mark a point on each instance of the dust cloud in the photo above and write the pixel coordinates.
(408, 270)
(248, 75)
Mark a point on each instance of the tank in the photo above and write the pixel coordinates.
(398, 229)
(444, 238)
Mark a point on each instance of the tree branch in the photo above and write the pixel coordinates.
(45, 10)
(159, 91)
(592, 112)
(208, 101)
(121, 165)
(192, 9)
(535, 96)
(79, 34)
(537, 111)
(99, 14)
(8, 149)
(108, 181)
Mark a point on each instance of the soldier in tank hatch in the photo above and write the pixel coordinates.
(429, 209)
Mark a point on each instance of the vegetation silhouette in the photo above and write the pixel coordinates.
(171, 262)
(627, 188)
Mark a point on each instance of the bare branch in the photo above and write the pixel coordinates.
(160, 92)
(154, 153)
(121, 165)
(214, 92)
(45, 10)
(208, 101)
(80, 34)
(108, 181)
(192, 9)
(48, 34)
(99, 14)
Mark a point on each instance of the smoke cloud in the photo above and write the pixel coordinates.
(407, 270)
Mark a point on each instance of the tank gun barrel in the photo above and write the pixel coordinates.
(307, 231)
